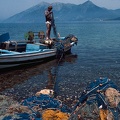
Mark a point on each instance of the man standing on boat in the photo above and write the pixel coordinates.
(48, 16)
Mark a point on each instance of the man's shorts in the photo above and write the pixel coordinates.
(48, 22)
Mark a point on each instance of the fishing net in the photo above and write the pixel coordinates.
(86, 111)
(5, 102)
(91, 111)
(33, 107)
(54, 114)
(100, 101)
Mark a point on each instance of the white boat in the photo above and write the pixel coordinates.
(14, 53)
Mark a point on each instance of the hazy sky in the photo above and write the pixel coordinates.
(11, 7)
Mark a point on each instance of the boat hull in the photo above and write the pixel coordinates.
(24, 58)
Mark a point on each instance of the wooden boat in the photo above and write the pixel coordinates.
(14, 53)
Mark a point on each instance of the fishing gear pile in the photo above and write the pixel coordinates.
(99, 101)
(35, 107)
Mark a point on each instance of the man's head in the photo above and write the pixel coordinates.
(50, 8)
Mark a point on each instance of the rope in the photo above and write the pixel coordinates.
(53, 75)
(56, 73)
(59, 55)
(54, 27)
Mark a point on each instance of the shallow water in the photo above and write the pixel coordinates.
(96, 55)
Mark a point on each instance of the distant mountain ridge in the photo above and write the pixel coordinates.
(65, 12)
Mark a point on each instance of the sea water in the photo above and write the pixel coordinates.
(97, 54)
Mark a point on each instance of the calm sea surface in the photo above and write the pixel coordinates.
(96, 55)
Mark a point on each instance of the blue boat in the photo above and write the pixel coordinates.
(14, 53)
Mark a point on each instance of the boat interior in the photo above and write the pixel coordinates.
(34, 41)
(30, 43)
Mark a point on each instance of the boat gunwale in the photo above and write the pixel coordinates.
(27, 54)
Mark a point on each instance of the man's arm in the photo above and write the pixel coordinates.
(48, 13)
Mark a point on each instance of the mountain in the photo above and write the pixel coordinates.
(116, 18)
(1, 20)
(65, 12)
(31, 15)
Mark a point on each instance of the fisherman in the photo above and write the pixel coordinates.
(48, 16)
